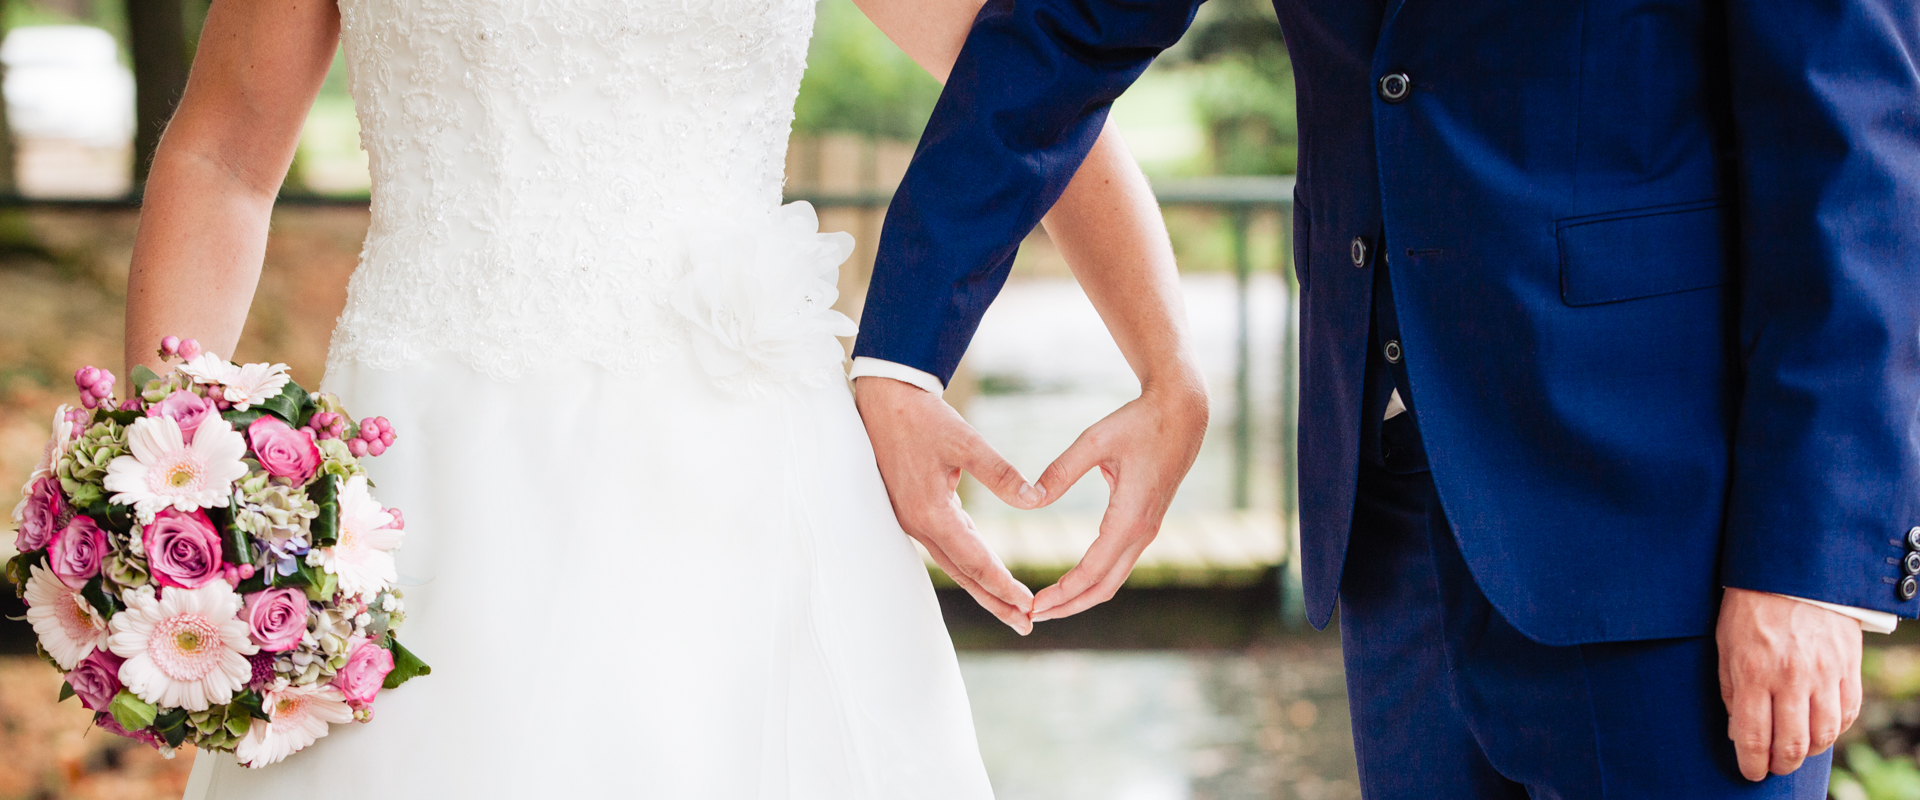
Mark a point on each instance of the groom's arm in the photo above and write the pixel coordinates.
(1826, 100)
(1024, 103)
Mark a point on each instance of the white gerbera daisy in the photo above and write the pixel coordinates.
(68, 625)
(252, 383)
(208, 368)
(186, 649)
(165, 471)
(363, 557)
(300, 714)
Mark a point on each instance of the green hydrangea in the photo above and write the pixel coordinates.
(336, 459)
(157, 389)
(219, 727)
(125, 568)
(84, 468)
(270, 509)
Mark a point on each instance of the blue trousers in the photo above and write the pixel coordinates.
(1450, 701)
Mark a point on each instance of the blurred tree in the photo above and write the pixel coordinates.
(1244, 92)
(157, 37)
(858, 82)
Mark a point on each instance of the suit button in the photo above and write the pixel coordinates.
(1359, 253)
(1392, 351)
(1395, 87)
(1909, 586)
(1911, 564)
(1913, 537)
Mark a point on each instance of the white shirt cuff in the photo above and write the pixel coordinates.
(864, 367)
(1871, 621)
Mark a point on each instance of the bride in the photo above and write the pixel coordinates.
(655, 558)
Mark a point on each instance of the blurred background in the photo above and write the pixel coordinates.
(1200, 681)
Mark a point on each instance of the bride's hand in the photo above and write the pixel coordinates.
(922, 445)
(1143, 450)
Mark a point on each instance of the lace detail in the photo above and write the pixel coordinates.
(536, 163)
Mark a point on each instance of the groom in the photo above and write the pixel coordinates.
(1611, 359)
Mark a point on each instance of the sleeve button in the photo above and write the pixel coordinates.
(1913, 537)
(1909, 586)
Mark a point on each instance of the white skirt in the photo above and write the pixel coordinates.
(640, 588)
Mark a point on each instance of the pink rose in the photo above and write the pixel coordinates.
(186, 408)
(283, 451)
(76, 551)
(40, 516)
(183, 549)
(96, 679)
(367, 666)
(276, 618)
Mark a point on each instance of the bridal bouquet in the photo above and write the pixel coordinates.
(204, 562)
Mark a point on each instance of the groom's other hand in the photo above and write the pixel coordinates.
(1143, 450)
(922, 445)
(1790, 676)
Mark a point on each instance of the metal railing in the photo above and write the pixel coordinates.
(1240, 198)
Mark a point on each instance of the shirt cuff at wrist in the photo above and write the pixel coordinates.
(865, 367)
(1871, 621)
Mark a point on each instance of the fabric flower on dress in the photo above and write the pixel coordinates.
(362, 557)
(69, 627)
(760, 302)
(164, 471)
(187, 648)
(298, 716)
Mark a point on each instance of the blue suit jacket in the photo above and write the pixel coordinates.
(1656, 265)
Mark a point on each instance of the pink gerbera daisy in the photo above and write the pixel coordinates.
(186, 649)
(300, 714)
(164, 471)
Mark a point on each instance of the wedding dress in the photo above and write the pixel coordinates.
(649, 550)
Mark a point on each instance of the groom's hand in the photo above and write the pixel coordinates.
(1143, 450)
(922, 445)
(1790, 676)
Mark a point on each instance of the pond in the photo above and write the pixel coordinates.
(1269, 723)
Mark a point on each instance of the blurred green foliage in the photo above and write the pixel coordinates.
(1244, 93)
(859, 82)
(1870, 776)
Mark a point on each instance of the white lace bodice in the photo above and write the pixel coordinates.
(538, 164)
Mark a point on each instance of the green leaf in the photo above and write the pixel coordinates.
(249, 701)
(235, 547)
(406, 665)
(322, 586)
(237, 725)
(325, 493)
(143, 376)
(291, 404)
(122, 417)
(241, 419)
(96, 595)
(66, 691)
(172, 726)
(132, 712)
(19, 568)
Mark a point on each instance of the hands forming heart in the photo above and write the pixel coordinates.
(1143, 450)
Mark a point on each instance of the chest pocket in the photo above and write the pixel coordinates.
(1626, 255)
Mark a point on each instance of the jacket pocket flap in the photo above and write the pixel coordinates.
(1626, 255)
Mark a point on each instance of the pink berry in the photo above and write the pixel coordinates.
(86, 399)
(130, 404)
(169, 346)
(189, 349)
(375, 448)
(246, 571)
(358, 447)
(398, 521)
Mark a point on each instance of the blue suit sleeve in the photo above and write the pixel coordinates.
(1826, 484)
(1024, 103)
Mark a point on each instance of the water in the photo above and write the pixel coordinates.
(1270, 723)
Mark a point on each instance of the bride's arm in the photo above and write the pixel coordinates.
(1108, 227)
(209, 196)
